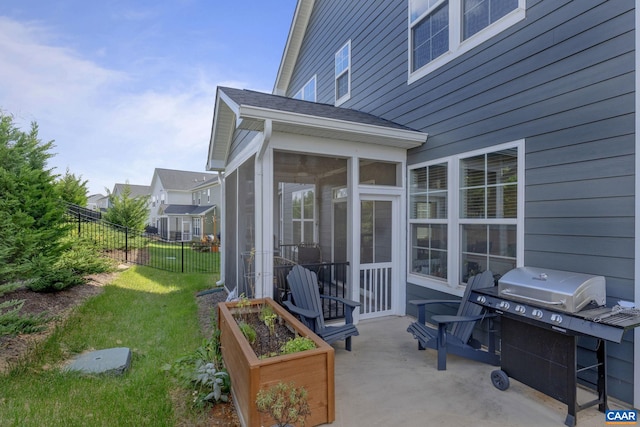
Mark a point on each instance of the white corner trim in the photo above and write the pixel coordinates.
(636, 336)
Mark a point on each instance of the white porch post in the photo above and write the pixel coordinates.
(264, 212)
(353, 224)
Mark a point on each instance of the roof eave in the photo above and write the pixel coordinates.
(252, 118)
(224, 122)
(292, 48)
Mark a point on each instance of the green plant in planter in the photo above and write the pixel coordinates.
(285, 403)
(297, 344)
(243, 307)
(248, 331)
(269, 317)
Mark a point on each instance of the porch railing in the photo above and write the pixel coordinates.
(333, 280)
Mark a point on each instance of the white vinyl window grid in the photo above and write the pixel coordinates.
(308, 91)
(455, 222)
(456, 44)
(304, 222)
(343, 73)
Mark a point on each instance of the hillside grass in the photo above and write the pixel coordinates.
(152, 312)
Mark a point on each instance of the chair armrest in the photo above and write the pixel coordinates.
(348, 314)
(301, 311)
(443, 318)
(345, 301)
(421, 303)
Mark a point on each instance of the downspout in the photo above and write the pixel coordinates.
(222, 224)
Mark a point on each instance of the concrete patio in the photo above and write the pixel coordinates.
(386, 381)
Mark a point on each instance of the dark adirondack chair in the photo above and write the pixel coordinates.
(307, 304)
(453, 334)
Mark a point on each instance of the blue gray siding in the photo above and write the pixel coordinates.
(562, 80)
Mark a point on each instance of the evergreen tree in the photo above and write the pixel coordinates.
(72, 189)
(126, 210)
(31, 215)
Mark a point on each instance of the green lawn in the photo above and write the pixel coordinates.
(152, 312)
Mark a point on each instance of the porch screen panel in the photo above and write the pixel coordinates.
(228, 237)
(246, 225)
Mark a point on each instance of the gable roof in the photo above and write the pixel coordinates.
(249, 110)
(136, 190)
(292, 48)
(178, 180)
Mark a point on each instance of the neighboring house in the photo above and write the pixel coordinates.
(183, 204)
(135, 191)
(97, 202)
(531, 156)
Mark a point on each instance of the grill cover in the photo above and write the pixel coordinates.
(559, 290)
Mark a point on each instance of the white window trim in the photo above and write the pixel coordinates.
(304, 219)
(452, 284)
(346, 97)
(457, 46)
(300, 94)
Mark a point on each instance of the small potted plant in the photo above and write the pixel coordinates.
(285, 403)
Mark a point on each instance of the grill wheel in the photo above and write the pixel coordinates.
(500, 379)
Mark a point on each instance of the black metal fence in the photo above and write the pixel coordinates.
(127, 246)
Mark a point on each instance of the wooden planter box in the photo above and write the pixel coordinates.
(311, 369)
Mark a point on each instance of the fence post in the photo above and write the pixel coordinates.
(126, 244)
(79, 223)
(182, 257)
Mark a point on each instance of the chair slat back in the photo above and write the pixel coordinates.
(463, 330)
(303, 284)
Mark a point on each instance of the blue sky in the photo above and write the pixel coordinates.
(123, 87)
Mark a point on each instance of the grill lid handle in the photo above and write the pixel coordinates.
(539, 301)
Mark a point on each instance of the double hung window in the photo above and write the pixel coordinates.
(440, 30)
(343, 73)
(303, 217)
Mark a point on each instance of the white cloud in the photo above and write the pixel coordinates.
(107, 127)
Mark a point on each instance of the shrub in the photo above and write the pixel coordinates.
(84, 257)
(202, 371)
(13, 323)
(56, 280)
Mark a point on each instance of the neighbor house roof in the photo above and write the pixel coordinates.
(249, 110)
(136, 190)
(179, 180)
(187, 209)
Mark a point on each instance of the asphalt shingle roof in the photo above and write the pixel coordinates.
(282, 103)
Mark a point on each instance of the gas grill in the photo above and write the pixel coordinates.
(543, 312)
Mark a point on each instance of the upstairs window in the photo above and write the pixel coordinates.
(430, 31)
(308, 91)
(343, 73)
(440, 30)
